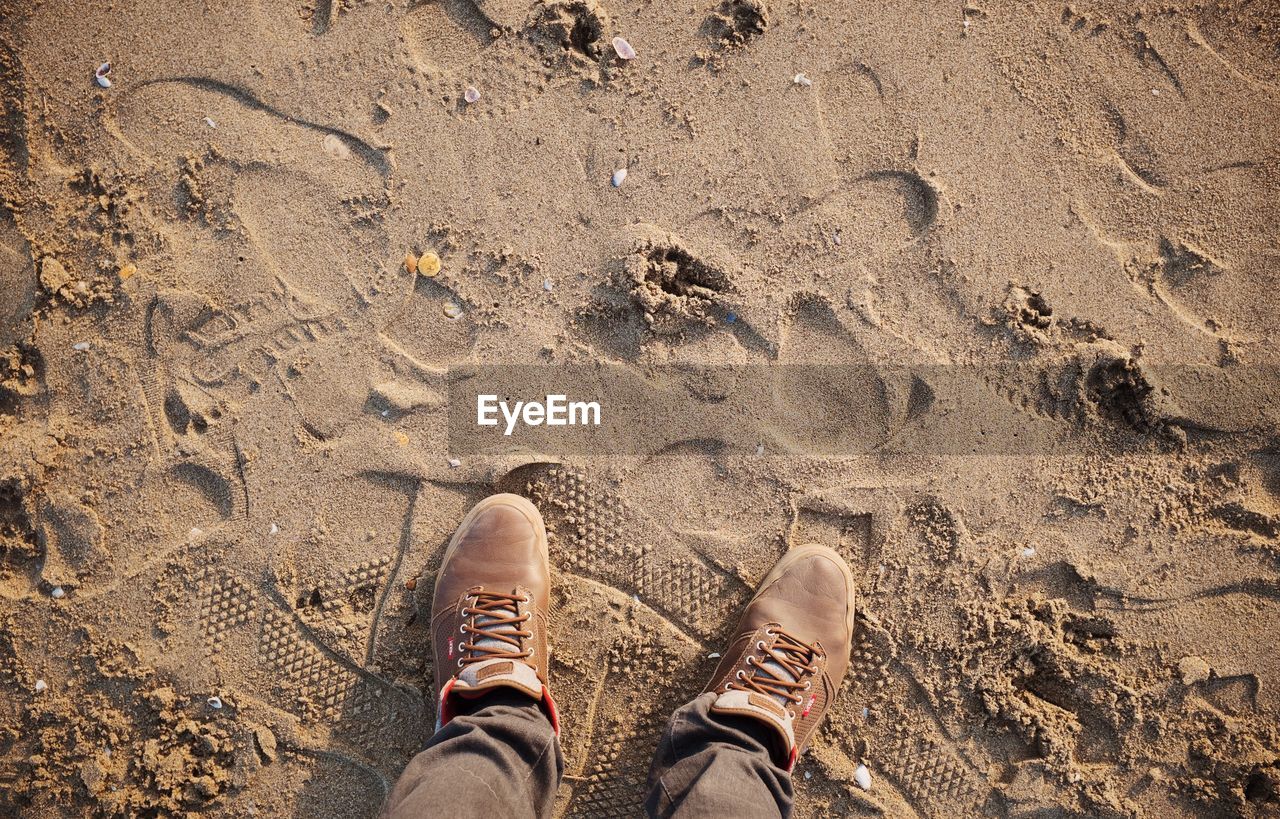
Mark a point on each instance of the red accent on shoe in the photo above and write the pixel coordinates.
(445, 711)
(791, 758)
(553, 714)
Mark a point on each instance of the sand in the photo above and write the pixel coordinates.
(225, 449)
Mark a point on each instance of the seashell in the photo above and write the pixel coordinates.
(452, 309)
(863, 777)
(471, 95)
(801, 79)
(82, 346)
(100, 76)
(547, 285)
(619, 176)
(1029, 551)
(454, 463)
(429, 264)
(209, 121)
(411, 263)
(215, 702)
(335, 147)
(103, 82)
(624, 49)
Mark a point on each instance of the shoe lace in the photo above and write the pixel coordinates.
(494, 628)
(782, 670)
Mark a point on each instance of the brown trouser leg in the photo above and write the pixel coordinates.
(503, 759)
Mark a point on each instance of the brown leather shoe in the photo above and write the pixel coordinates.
(785, 662)
(489, 613)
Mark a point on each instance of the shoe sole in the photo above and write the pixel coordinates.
(807, 550)
(526, 508)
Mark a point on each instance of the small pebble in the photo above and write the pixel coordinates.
(624, 49)
(866, 712)
(411, 583)
(454, 463)
(215, 702)
(195, 532)
(452, 309)
(863, 777)
(411, 263)
(41, 685)
(619, 176)
(1194, 670)
(1029, 551)
(1155, 92)
(801, 79)
(127, 272)
(429, 264)
(547, 285)
(81, 346)
(209, 121)
(58, 593)
(471, 95)
(808, 774)
(759, 449)
(275, 529)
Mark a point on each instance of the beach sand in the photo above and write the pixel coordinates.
(225, 466)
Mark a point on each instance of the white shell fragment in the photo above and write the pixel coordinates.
(715, 655)
(81, 346)
(619, 176)
(215, 702)
(452, 309)
(1029, 551)
(454, 463)
(863, 777)
(41, 685)
(58, 593)
(275, 529)
(209, 121)
(624, 49)
(100, 76)
(547, 285)
(335, 147)
(759, 449)
(471, 95)
(801, 79)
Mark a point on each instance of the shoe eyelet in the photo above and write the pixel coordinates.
(459, 662)
(531, 653)
(726, 687)
(739, 675)
(808, 684)
(759, 645)
(462, 629)
(769, 633)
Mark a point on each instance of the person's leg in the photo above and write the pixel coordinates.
(496, 749)
(731, 750)
(497, 757)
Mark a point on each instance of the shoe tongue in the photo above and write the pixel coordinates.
(482, 620)
(774, 668)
